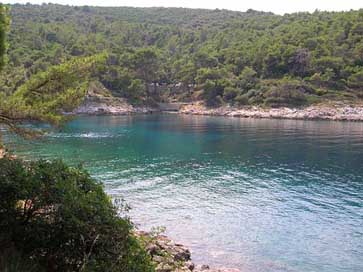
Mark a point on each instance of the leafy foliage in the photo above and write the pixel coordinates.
(46, 96)
(4, 23)
(286, 93)
(61, 218)
(12, 261)
(155, 46)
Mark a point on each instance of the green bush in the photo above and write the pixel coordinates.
(13, 261)
(284, 96)
(61, 218)
(230, 93)
(356, 80)
(280, 98)
(286, 92)
(247, 79)
(212, 90)
(242, 99)
(321, 92)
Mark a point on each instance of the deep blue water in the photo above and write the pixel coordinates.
(259, 195)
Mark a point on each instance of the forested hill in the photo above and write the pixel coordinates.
(219, 56)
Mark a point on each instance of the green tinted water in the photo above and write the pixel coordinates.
(260, 195)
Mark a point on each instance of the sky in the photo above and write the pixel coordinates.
(276, 6)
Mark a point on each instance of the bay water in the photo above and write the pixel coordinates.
(258, 195)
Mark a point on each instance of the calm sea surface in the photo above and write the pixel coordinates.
(259, 195)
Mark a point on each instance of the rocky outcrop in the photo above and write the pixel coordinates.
(338, 112)
(100, 101)
(169, 256)
(109, 105)
(2, 152)
(5, 154)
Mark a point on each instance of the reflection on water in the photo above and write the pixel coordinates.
(261, 195)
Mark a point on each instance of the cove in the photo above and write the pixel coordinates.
(259, 195)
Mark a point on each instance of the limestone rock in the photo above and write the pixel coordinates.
(314, 112)
(169, 256)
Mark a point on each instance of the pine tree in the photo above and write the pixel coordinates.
(46, 96)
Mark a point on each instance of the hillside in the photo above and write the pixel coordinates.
(219, 56)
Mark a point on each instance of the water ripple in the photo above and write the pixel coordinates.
(261, 195)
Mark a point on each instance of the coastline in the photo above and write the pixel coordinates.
(170, 256)
(105, 108)
(167, 255)
(332, 112)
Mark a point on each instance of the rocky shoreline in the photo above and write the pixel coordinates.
(101, 105)
(334, 112)
(110, 107)
(99, 101)
(169, 256)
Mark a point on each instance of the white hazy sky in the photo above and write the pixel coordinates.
(276, 6)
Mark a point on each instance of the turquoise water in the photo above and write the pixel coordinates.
(259, 195)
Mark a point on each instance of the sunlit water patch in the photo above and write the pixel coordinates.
(260, 195)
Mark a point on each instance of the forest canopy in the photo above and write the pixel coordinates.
(4, 25)
(46, 95)
(217, 55)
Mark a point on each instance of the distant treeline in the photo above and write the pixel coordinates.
(218, 55)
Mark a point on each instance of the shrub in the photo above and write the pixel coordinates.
(356, 80)
(13, 261)
(253, 97)
(321, 92)
(242, 99)
(247, 79)
(279, 98)
(284, 96)
(61, 218)
(286, 92)
(212, 93)
(230, 93)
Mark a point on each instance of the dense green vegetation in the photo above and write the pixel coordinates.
(217, 55)
(59, 219)
(54, 217)
(4, 24)
(46, 95)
